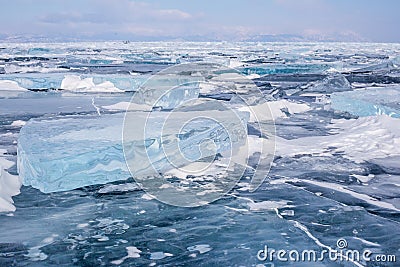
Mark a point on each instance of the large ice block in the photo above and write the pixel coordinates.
(332, 83)
(369, 102)
(76, 151)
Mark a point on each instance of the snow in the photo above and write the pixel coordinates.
(77, 84)
(274, 109)
(360, 140)
(9, 186)
(6, 85)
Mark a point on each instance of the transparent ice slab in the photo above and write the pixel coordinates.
(369, 102)
(76, 151)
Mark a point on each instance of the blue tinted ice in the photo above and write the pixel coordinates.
(333, 83)
(369, 102)
(72, 152)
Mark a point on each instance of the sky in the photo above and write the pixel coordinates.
(349, 20)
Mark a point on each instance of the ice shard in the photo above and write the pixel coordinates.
(333, 83)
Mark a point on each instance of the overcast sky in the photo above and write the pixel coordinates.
(372, 20)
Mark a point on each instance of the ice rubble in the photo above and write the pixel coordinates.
(77, 151)
(369, 102)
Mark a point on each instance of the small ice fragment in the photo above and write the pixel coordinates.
(203, 248)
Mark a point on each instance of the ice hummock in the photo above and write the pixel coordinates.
(77, 151)
(76, 83)
(10, 86)
(369, 102)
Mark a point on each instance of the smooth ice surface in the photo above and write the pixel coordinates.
(369, 102)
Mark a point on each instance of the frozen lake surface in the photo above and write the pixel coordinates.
(335, 171)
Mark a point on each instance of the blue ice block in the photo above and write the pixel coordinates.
(369, 102)
(71, 152)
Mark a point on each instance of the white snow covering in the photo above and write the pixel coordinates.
(6, 85)
(274, 110)
(9, 185)
(18, 123)
(360, 140)
(77, 84)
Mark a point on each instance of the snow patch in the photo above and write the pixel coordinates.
(77, 84)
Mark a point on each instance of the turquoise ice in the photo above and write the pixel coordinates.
(369, 102)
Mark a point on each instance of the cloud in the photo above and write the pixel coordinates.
(119, 17)
(169, 14)
(119, 11)
(303, 4)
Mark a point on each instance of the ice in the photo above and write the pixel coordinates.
(286, 68)
(369, 102)
(160, 255)
(343, 189)
(267, 205)
(169, 91)
(11, 68)
(133, 252)
(39, 81)
(40, 103)
(384, 66)
(67, 150)
(278, 109)
(202, 248)
(123, 106)
(333, 83)
(334, 169)
(77, 84)
(72, 152)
